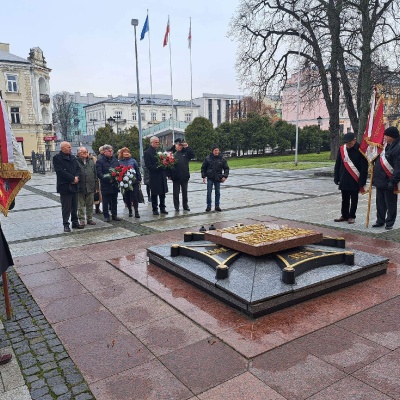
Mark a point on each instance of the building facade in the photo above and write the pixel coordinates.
(154, 110)
(25, 87)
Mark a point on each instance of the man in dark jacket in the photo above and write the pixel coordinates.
(215, 168)
(68, 173)
(157, 175)
(386, 180)
(109, 190)
(351, 171)
(88, 186)
(180, 173)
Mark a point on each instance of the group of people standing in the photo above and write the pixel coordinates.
(81, 178)
(351, 172)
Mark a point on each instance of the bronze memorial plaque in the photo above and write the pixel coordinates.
(261, 239)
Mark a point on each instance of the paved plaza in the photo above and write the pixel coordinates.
(93, 320)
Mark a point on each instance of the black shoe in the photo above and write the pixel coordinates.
(155, 212)
(186, 208)
(137, 215)
(387, 227)
(67, 229)
(208, 209)
(130, 214)
(108, 219)
(78, 226)
(163, 211)
(377, 225)
(177, 209)
(218, 209)
(115, 218)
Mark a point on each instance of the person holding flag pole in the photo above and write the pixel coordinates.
(386, 179)
(372, 142)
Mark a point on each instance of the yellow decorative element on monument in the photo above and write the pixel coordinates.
(216, 251)
(301, 255)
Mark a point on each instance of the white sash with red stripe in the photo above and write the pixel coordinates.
(388, 169)
(351, 168)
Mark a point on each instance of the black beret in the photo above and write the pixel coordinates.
(392, 131)
(179, 141)
(348, 137)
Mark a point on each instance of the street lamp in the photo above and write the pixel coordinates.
(135, 23)
(111, 121)
(319, 122)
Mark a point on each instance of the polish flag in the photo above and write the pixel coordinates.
(166, 34)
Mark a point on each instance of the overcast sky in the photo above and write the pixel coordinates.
(89, 45)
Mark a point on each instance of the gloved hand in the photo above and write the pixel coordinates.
(390, 185)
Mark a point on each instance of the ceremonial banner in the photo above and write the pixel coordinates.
(372, 142)
(14, 171)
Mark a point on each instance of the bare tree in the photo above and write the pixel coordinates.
(338, 41)
(63, 112)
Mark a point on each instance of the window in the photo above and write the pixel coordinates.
(153, 116)
(15, 115)
(163, 117)
(188, 117)
(143, 116)
(12, 83)
(210, 110)
(75, 111)
(134, 116)
(118, 114)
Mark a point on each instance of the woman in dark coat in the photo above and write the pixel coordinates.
(131, 196)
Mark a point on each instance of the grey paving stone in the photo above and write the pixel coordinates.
(84, 396)
(61, 356)
(73, 379)
(49, 374)
(31, 371)
(49, 366)
(56, 380)
(66, 396)
(38, 393)
(27, 360)
(59, 389)
(45, 358)
(37, 384)
(80, 389)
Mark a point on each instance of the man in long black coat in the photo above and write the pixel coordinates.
(180, 173)
(386, 180)
(68, 172)
(158, 177)
(109, 190)
(351, 171)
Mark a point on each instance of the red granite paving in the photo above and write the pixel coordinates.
(177, 342)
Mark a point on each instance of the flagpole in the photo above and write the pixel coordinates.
(151, 77)
(191, 75)
(170, 69)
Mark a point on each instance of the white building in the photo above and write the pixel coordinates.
(217, 108)
(155, 110)
(25, 88)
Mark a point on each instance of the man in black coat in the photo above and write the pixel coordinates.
(157, 175)
(386, 180)
(68, 173)
(180, 173)
(215, 168)
(351, 172)
(109, 190)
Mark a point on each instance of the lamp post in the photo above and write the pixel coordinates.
(319, 122)
(135, 23)
(111, 121)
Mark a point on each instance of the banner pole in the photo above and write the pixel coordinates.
(6, 295)
(371, 168)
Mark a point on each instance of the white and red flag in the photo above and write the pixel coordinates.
(166, 35)
(372, 142)
(14, 171)
(190, 35)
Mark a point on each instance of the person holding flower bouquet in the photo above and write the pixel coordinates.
(158, 176)
(131, 192)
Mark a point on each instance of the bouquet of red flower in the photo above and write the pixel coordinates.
(123, 177)
(166, 160)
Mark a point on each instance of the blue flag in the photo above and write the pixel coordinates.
(145, 28)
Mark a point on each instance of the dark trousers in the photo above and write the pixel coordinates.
(69, 207)
(386, 207)
(154, 201)
(349, 203)
(132, 197)
(177, 185)
(110, 201)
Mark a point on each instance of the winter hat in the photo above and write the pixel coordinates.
(348, 137)
(214, 146)
(179, 141)
(392, 131)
